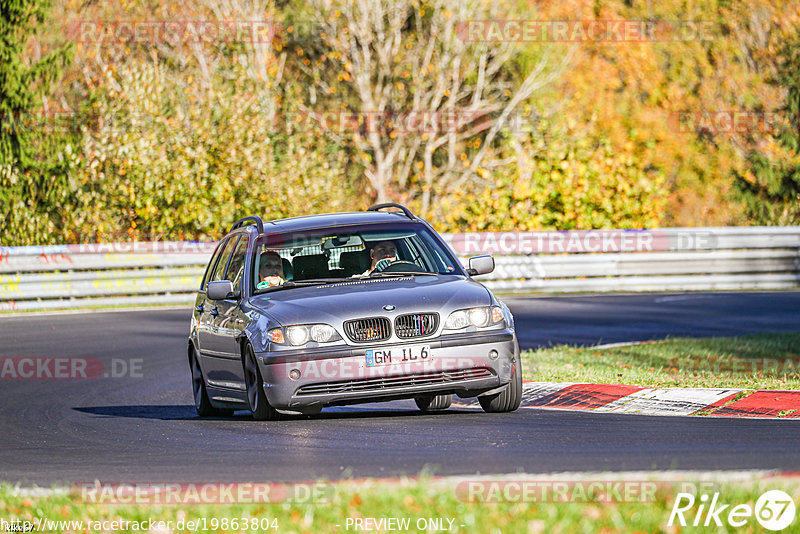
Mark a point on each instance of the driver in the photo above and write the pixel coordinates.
(270, 270)
(383, 254)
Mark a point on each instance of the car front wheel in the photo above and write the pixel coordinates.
(256, 397)
(510, 398)
(433, 403)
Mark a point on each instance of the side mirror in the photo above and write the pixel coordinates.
(480, 265)
(221, 290)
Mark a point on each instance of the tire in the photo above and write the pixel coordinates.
(510, 398)
(201, 401)
(437, 402)
(256, 397)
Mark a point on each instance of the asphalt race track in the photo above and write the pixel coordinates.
(590, 320)
(144, 428)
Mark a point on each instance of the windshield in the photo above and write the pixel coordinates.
(350, 252)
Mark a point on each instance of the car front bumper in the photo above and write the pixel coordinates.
(466, 364)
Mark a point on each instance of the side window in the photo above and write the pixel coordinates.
(423, 256)
(236, 268)
(212, 264)
(219, 270)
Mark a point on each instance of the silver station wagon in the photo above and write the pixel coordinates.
(294, 315)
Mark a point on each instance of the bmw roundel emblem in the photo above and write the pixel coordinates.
(388, 307)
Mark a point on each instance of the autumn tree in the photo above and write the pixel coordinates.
(771, 187)
(33, 167)
(393, 65)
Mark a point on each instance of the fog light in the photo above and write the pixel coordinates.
(294, 374)
(493, 354)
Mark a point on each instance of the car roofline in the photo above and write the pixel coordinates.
(254, 221)
(333, 226)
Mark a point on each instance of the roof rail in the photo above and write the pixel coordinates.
(250, 218)
(378, 207)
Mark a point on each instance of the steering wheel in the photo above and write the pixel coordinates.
(402, 267)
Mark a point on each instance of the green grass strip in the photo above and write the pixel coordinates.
(761, 361)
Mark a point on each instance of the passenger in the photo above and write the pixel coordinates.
(270, 270)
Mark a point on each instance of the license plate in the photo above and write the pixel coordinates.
(398, 355)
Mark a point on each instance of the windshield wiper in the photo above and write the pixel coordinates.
(301, 283)
(402, 273)
(325, 280)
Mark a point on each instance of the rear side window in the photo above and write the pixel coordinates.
(236, 268)
(225, 256)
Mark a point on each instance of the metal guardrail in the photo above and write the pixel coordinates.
(69, 276)
(676, 259)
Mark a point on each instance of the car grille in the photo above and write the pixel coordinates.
(416, 325)
(392, 382)
(373, 329)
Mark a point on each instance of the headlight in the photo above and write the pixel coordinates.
(322, 333)
(478, 317)
(457, 320)
(297, 335)
(302, 334)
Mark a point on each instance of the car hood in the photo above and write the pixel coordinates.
(335, 303)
